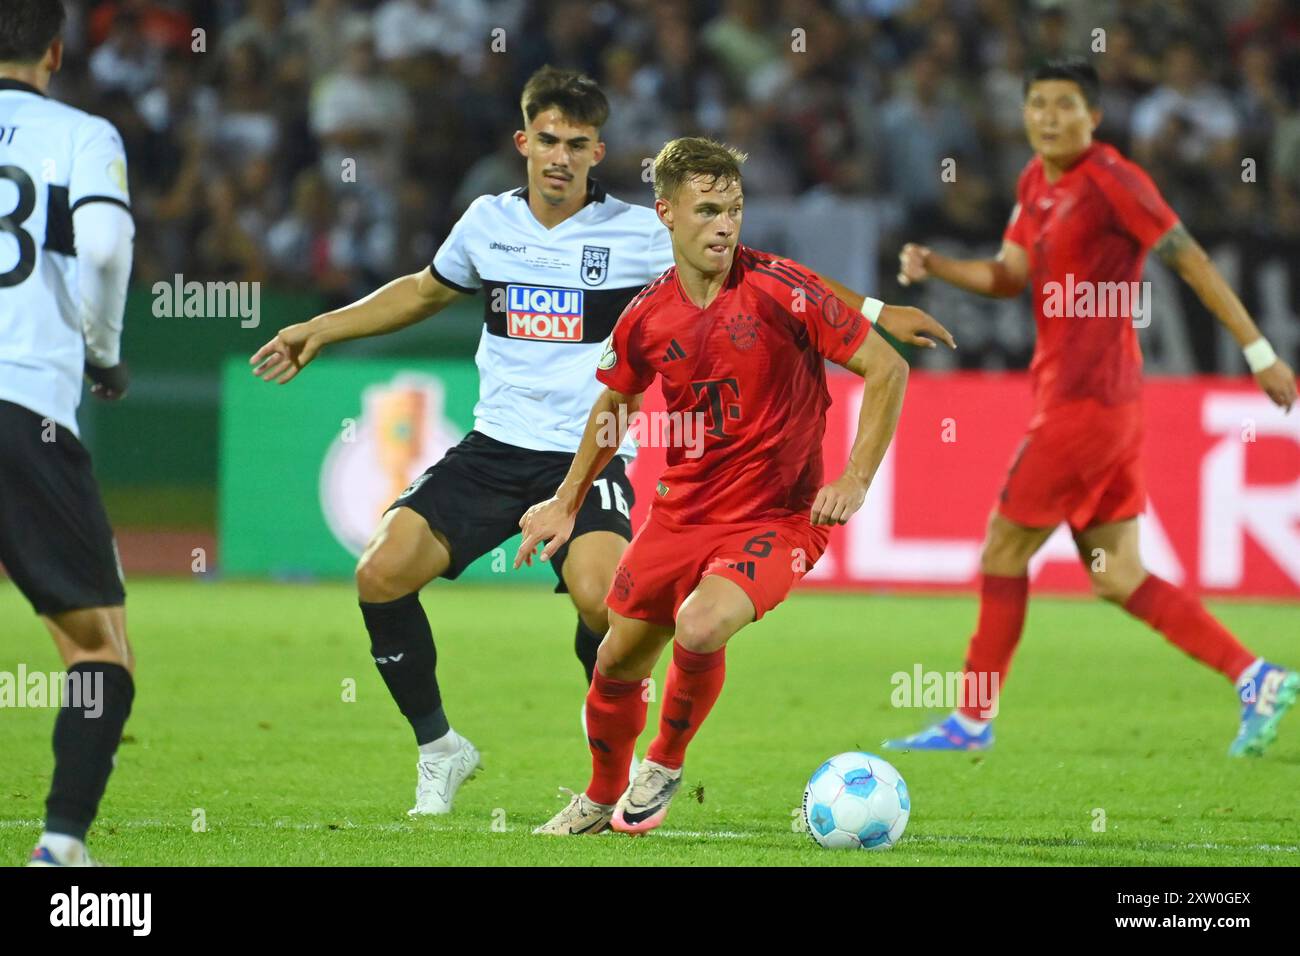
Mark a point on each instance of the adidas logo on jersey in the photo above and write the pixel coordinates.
(550, 315)
(675, 352)
(744, 567)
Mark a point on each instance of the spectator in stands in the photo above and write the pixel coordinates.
(361, 116)
(1185, 133)
(921, 131)
(265, 26)
(126, 61)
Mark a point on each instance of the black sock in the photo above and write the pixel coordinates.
(402, 646)
(86, 734)
(585, 643)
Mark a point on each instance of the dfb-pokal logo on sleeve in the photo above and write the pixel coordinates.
(608, 358)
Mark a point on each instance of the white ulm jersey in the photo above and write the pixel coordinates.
(53, 158)
(551, 298)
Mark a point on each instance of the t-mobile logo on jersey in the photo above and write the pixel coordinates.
(551, 315)
(1098, 300)
(713, 395)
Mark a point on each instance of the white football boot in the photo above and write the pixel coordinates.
(632, 768)
(644, 804)
(582, 817)
(440, 776)
(60, 851)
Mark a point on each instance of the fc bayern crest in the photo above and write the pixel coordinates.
(743, 330)
(595, 264)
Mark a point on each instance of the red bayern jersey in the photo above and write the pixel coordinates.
(748, 372)
(1086, 234)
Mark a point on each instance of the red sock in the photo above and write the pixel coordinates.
(693, 685)
(615, 718)
(988, 658)
(1187, 625)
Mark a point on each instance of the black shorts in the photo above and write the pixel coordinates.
(55, 539)
(480, 489)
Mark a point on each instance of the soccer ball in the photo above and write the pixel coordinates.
(856, 801)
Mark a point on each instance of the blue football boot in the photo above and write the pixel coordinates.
(947, 734)
(1263, 702)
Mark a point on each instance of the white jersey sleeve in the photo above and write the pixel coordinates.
(98, 171)
(104, 232)
(453, 265)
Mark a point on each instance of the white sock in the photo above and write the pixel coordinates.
(969, 724)
(448, 743)
(65, 848)
(1249, 674)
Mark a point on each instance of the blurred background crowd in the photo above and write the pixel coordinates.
(240, 135)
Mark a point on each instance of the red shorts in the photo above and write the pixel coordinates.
(665, 563)
(1080, 464)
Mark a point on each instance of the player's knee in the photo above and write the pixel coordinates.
(93, 635)
(997, 557)
(588, 596)
(617, 660)
(1004, 553)
(380, 578)
(700, 629)
(103, 651)
(1116, 586)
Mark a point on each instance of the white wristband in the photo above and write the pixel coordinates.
(871, 309)
(1259, 355)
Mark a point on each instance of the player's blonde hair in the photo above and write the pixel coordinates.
(686, 157)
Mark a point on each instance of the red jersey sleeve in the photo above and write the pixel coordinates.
(1018, 228)
(622, 365)
(1138, 206)
(835, 328)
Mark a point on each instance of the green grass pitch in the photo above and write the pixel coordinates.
(242, 750)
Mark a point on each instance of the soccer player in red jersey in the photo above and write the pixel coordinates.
(1082, 226)
(738, 338)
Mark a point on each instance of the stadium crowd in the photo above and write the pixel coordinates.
(330, 145)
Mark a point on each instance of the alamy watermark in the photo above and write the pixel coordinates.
(1098, 300)
(81, 689)
(654, 429)
(179, 299)
(947, 689)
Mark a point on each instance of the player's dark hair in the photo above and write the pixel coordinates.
(1073, 68)
(689, 156)
(28, 27)
(577, 96)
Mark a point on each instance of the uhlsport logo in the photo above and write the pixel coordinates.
(547, 315)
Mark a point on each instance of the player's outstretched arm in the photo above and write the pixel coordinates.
(551, 521)
(394, 306)
(1185, 256)
(885, 373)
(910, 326)
(1003, 277)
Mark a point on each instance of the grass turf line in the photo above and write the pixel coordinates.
(240, 714)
